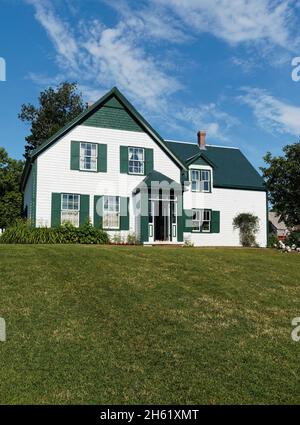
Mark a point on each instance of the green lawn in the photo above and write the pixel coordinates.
(129, 325)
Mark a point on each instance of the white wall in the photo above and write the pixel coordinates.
(229, 202)
(54, 174)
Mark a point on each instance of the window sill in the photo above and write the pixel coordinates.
(136, 174)
(201, 191)
(88, 171)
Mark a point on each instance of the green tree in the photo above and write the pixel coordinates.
(282, 177)
(10, 195)
(56, 108)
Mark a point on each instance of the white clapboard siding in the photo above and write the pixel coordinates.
(229, 202)
(54, 174)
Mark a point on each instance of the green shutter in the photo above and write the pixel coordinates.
(124, 213)
(187, 216)
(215, 222)
(148, 161)
(33, 194)
(102, 158)
(56, 210)
(84, 215)
(75, 154)
(98, 211)
(124, 159)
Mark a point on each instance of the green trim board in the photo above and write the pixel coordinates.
(33, 193)
(109, 98)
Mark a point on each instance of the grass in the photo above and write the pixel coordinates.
(129, 325)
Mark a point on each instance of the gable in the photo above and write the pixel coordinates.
(112, 114)
(200, 159)
(113, 111)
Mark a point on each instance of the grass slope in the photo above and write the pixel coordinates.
(134, 325)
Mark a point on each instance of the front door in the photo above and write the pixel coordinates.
(162, 221)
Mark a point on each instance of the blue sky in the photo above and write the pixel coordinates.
(219, 65)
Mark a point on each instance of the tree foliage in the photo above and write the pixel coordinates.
(249, 226)
(56, 108)
(282, 177)
(10, 195)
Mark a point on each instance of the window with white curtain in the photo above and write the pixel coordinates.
(88, 156)
(70, 209)
(201, 180)
(201, 220)
(111, 212)
(136, 160)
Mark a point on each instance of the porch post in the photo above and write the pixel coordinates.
(144, 216)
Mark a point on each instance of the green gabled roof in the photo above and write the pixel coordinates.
(157, 177)
(200, 159)
(116, 105)
(231, 167)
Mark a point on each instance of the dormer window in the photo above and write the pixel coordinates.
(201, 180)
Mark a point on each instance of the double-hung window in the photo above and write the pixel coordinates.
(70, 208)
(136, 160)
(111, 212)
(201, 220)
(201, 180)
(88, 156)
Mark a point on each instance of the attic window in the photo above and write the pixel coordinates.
(201, 180)
(136, 159)
(88, 156)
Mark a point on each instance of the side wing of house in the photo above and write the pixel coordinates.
(222, 184)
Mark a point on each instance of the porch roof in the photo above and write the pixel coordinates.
(156, 178)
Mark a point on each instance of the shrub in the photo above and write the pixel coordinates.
(272, 241)
(293, 239)
(23, 233)
(132, 239)
(117, 239)
(188, 243)
(248, 225)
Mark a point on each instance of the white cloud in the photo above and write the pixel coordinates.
(272, 114)
(238, 21)
(57, 30)
(149, 21)
(101, 57)
(208, 117)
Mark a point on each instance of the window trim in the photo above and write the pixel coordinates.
(143, 161)
(106, 213)
(200, 182)
(66, 209)
(82, 157)
(201, 220)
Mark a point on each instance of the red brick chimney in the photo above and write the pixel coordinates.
(201, 139)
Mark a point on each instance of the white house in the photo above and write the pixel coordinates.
(111, 167)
